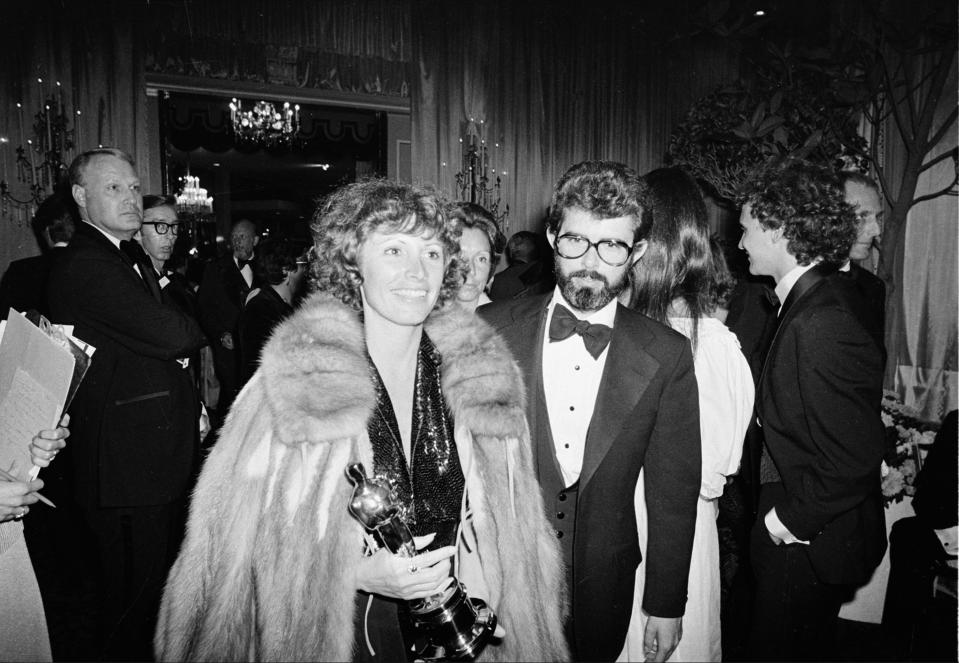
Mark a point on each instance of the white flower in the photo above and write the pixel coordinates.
(893, 483)
(887, 420)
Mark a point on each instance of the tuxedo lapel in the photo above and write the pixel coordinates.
(805, 283)
(527, 342)
(627, 374)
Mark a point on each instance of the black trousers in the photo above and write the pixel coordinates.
(795, 614)
(135, 548)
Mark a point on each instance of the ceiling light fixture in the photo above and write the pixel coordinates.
(264, 125)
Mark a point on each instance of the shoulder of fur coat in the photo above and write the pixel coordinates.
(266, 569)
(318, 387)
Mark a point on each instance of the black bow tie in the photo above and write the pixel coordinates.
(564, 324)
(772, 299)
(241, 263)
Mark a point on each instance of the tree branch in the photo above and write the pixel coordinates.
(942, 157)
(944, 128)
(930, 196)
(909, 89)
(897, 114)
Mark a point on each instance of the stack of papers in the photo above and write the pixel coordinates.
(41, 366)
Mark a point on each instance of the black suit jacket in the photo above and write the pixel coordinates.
(24, 284)
(646, 415)
(873, 291)
(221, 296)
(819, 402)
(133, 420)
(257, 321)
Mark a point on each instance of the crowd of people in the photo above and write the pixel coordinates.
(557, 436)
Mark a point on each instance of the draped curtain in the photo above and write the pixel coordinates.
(91, 48)
(555, 84)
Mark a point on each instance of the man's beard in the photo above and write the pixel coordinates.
(583, 298)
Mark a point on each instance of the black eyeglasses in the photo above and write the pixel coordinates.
(163, 228)
(611, 251)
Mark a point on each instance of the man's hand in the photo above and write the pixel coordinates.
(661, 637)
(226, 340)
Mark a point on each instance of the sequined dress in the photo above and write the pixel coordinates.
(431, 487)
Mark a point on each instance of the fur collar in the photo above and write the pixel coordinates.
(317, 384)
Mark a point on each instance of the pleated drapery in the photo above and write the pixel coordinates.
(555, 83)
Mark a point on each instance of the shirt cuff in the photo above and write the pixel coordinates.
(777, 529)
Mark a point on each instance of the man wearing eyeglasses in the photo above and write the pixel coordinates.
(609, 392)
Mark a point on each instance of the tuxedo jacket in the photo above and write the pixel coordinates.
(257, 321)
(819, 404)
(646, 415)
(24, 284)
(133, 421)
(221, 296)
(873, 291)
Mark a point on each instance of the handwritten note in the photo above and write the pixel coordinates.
(25, 404)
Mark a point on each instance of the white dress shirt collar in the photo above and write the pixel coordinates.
(787, 282)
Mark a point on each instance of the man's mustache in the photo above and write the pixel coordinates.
(585, 273)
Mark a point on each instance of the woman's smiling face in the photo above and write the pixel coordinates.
(402, 277)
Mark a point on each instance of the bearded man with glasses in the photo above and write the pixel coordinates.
(609, 392)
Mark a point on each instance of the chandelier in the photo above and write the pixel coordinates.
(193, 201)
(477, 180)
(39, 160)
(264, 125)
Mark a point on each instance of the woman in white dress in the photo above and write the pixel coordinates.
(681, 282)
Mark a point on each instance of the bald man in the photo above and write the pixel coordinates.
(862, 193)
(226, 283)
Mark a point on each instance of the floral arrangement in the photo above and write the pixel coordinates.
(908, 439)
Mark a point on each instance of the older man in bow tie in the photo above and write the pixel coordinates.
(134, 417)
(609, 392)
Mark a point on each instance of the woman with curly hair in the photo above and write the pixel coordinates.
(373, 369)
(680, 281)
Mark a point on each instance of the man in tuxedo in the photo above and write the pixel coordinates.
(821, 529)
(862, 193)
(226, 283)
(609, 392)
(24, 284)
(134, 418)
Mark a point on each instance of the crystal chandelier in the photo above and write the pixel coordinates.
(264, 125)
(192, 200)
(477, 180)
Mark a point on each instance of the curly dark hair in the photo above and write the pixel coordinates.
(605, 189)
(471, 215)
(276, 257)
(350, 214)
(681, 261)
(807, 202)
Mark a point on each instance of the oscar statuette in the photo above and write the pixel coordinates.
(455, 626)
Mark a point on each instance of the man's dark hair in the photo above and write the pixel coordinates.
(55, 219)
(276, 257)
(522, 247)
(807, 202)
(605, 189)
(79, 164)
(152, 201)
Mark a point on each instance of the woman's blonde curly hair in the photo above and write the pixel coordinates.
(349, 215)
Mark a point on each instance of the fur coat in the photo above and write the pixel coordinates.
(266, 570)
